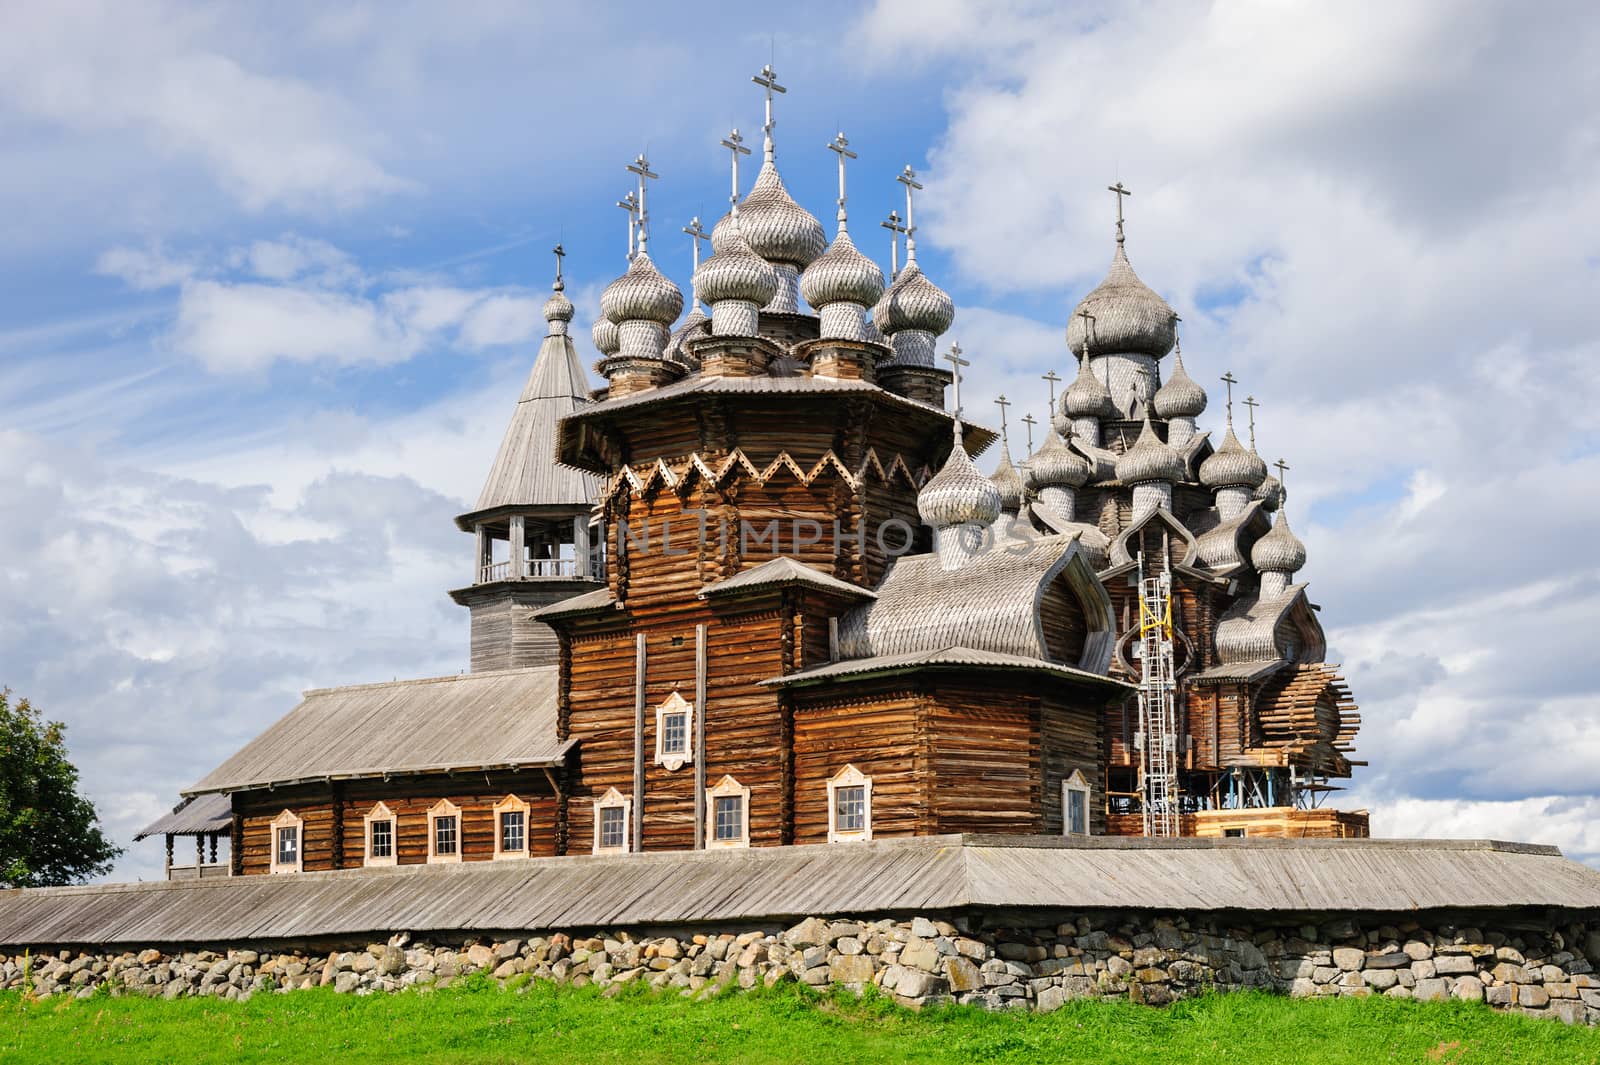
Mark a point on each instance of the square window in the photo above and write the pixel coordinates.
(513, 831)
(729, 814)
(675, 733)
(1233, 833)
(850, 808)
(288, 845)
(613, 827)
(444, 835)
(382, 839)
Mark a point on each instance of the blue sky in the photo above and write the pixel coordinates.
(272, 280)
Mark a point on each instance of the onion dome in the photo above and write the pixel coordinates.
(914, 302)
(1055, 465)
(693, 327)
(1129, 317)
(1232, 465)
(1280, 551)
(1149, 459)
(842, 275)
(1008, 481)
(606, 335)
(558, 308)
(642, 294)
(959, 494)
(1086, 396)
(1270, 492)
(735, 271)
(1180, 396)
(778, 228)
(874, 334)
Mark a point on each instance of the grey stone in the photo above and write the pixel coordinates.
(346, 982)
(1051, 999)
(1468, 989)
(1423, 970)
(1509, 973)
(812, 932)
(1417, 950)
(1454, 964)
(1396, 960)
(1012, 951)
(919, 954)
(923, 928)
(1501, 995)
(1381, 979)
(1434, 990)
(915, 983)
(849, 945)
(962, 975)
(1119, 966)
(1532, 996)
(1568, 1011)
(852, 969)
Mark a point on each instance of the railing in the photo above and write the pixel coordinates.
(197, 872)
(534, 569)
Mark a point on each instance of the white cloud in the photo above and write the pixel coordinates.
(144, 269)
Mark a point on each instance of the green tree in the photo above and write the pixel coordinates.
(49, 834)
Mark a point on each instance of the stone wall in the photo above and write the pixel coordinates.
(1147, 958)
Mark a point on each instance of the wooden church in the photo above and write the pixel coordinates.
(755, 592)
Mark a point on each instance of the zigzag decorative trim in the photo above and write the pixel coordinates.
(638, 481)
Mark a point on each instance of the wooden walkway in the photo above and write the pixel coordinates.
(776, 884)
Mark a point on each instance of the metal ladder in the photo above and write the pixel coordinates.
(1158, 723)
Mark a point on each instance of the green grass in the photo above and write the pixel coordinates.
(546, 1023)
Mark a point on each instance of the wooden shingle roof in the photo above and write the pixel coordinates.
(502, 719)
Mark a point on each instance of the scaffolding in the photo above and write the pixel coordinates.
(1157, 740)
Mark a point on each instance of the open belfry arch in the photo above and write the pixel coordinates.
(755, 591)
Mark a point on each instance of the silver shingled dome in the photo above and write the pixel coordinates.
(1231, 464)
(606, 336)
(914, 302)
(778, 228)
(842, 275)
(1280, 551)
(693, 327)
(1008, 481)
(735, 271)
(959, 494)
(643, 293)
(1180, 396)
(1149, 459)
(1086, 396)
(1056, 465)
(1128, 315)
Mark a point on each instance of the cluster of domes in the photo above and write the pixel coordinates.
(1149, 459)
(842, 275)
(1008, 482)
(1232, 465)
(1280, 551)
(1128, 316)
(959, 494)
(1086, 396)
(914, 302)
(1056, 465)
(642, 294)
(736, 271)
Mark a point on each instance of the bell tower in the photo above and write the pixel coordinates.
(535, 543)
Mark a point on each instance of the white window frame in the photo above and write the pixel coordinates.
(675, 760)
(444, 808)
(512, 804)
(288, 819)
(727, 788)
(1077, 783)
(380, 812)
(849, 777)
(614, 799)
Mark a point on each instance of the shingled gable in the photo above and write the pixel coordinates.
(993, 603)
(496, 720)
(783, 572)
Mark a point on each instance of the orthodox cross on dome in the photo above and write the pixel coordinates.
(1177, 343)
(630, 203)
(560, 253)
(1250, 401)
(953, 357)
(641, 166)
(892, 224)
(768, 81)
(908, 178)
(1002, 402)
(1121, 191)
(1230, 380)
(696, 233)
(1030, 421)
(735, 145)
(842, 147)
(1282, 467)
(1052, 378)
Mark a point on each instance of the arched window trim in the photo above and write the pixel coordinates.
(508, 804)
(728, 788)
(440, 809)
(614, 799)
(1078, 783)
(674, 760)
(849, 777)
(287, 819)
(380, 812)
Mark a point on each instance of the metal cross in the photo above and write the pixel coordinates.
(768, 81)
(1052, 378)
(1030, 421)
(953, 357)
(696, 234)
(641, 166)
(561, 253)
(842, 147)
(1177, 342)
(908, 178)
(892, 224)
(1230, 380)
(1250, 401)
(1121, 192)
(630, 203)
(1002, 402)
(1282, 467)
(735, 145)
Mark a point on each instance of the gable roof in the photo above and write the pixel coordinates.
(963, 658)
(991, 603)
(493, 720)
(783, 570)
(525, 472)
(197, 815)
